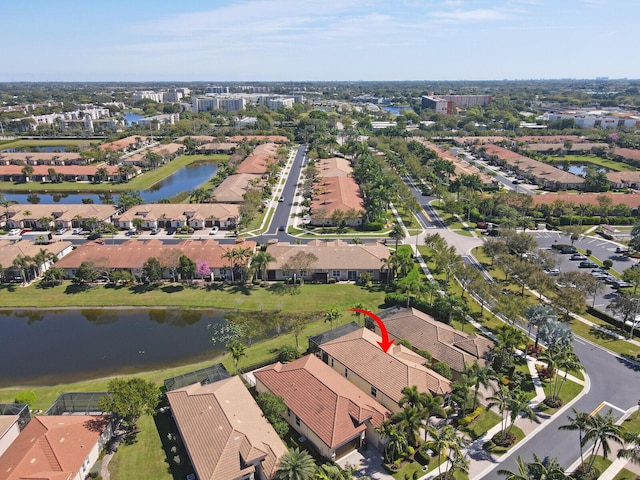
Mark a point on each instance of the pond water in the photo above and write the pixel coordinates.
(185, 179)
(580, 169)
(130, 118)
(60, 346)
(394, 110)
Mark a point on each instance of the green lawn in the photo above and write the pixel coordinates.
(141, 182)
(481, 425)
(407, 471)
(600, 463)
(595, 160)
(49, 143)
(632, 423)
(568, 392)
(497, 450)
(246, 297)
(625, 474)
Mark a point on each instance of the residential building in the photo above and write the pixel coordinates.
(56, 447)
(274, 103)
(204, 104)
(381, 375)
(65, 173)
(224, 431)
(334, 415)
(13, 418)
(438, 105)
(447, 104)
(320, 260)
(258, 138)
(245, 122)
(132, 255)
(126, 144)
(217, 89)
(258, 161)
(443, 342)
(147, 94)
(10, 251)
(157, 120)
(60, 215)
(547, 176)
(595, 118)
(42, 158)
(232, 104)
(175, 215)
(233, 188)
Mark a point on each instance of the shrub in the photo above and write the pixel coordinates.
(372, 227)
(443, 369)
(26, 396)
(607, 264)
(463, 422)
(331, 281)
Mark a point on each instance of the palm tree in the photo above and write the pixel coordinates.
(397, 233)
(261, 261)
(237, 350)
(332, 315)
(358, 306)
(412, 287)
(519, 404)
(538, 315)
(580, 422)
(21, 262)
(500, 399)
(396, 445)
(545, 469)
(559, 357)
(481, 376)
(632, 448)
(444, 442)
(408, 422)
(602, 430)
(296, 465)
(388, 265)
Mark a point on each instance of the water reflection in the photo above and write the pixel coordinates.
(56, 346)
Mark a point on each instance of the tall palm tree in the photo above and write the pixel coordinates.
(580, 422)
(412, 287)
(632, 448)
(519, 404)
(397, 233)
(408, 421)
(559, 357)
(359, 306)
(444, 442)
(332, 315)
(261, 261)
(296, 465)
(237, 350)
(602, 430)
(500, 399)
(396, 443)
(481, 375)
(537, 315)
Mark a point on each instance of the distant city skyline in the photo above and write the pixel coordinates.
(332, 40)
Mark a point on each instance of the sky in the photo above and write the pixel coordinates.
(317, 40)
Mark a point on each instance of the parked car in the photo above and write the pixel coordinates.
(587, 264)
(578, 256)
(94, 236)
(282, 228)
(552, 271)
(622, 250)
(620, 284)
(61, 231)
(155, 231)
(567, 250)
(281, 199)
(214, 230)
(76, 231)
(14, 231)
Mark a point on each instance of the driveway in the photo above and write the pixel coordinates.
(369, 463)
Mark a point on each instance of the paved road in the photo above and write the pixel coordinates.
(613, 380)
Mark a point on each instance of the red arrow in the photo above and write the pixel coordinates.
(385, 344)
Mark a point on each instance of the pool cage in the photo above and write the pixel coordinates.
(204, 376)
(77, 403)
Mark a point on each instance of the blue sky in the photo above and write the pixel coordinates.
(271, 40)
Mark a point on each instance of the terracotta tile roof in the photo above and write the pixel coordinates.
(133, 253)
(627, 153)
(479, 140)
(223, 429)
(540, 171)
(624, 177)
(331, 254)
(549, 139)
(389, 372)
(461, 166)
(333, 167)
(234, 187)
(199, 139)
(259, 138)
(63, 212)
(80, 170)
(52, 447)
(219, 146)
(9, 250)
(632, 200)
(122, 143)
(202, 211)
(258, 161)
(331, 406)
(40, 156)
(443, 342)
(335, 193)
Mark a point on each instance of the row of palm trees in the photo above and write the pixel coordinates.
(30, 267)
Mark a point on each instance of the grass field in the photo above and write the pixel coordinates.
(141, 182)
(594, 160)
(49, 143)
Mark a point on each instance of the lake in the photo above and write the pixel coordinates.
(45, 347)
(130, 118)
(185, 179)
(394, 110)
(580, 169)
(48, 148)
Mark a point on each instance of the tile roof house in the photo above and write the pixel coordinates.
(232, 188)
(175, 215)
(131, 255)
(443, 342)
(42, 158)
(382, 375)
(621, 180)
(225, 432)
(333, 259)
(258, 138)
(9, 431)
(10, 250)
(323, 406)
(258, 161)
(56, 447)
(68, 173)
(543, 174)
(64, 215)
(125, 144)
(333, 167)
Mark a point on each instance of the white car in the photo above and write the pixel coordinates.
(14, 231)
(214, 230)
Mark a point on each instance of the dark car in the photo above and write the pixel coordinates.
(587, 264)
(282, 228)
(567, 250)
(94, 236)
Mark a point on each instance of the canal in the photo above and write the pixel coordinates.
(47, 347)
